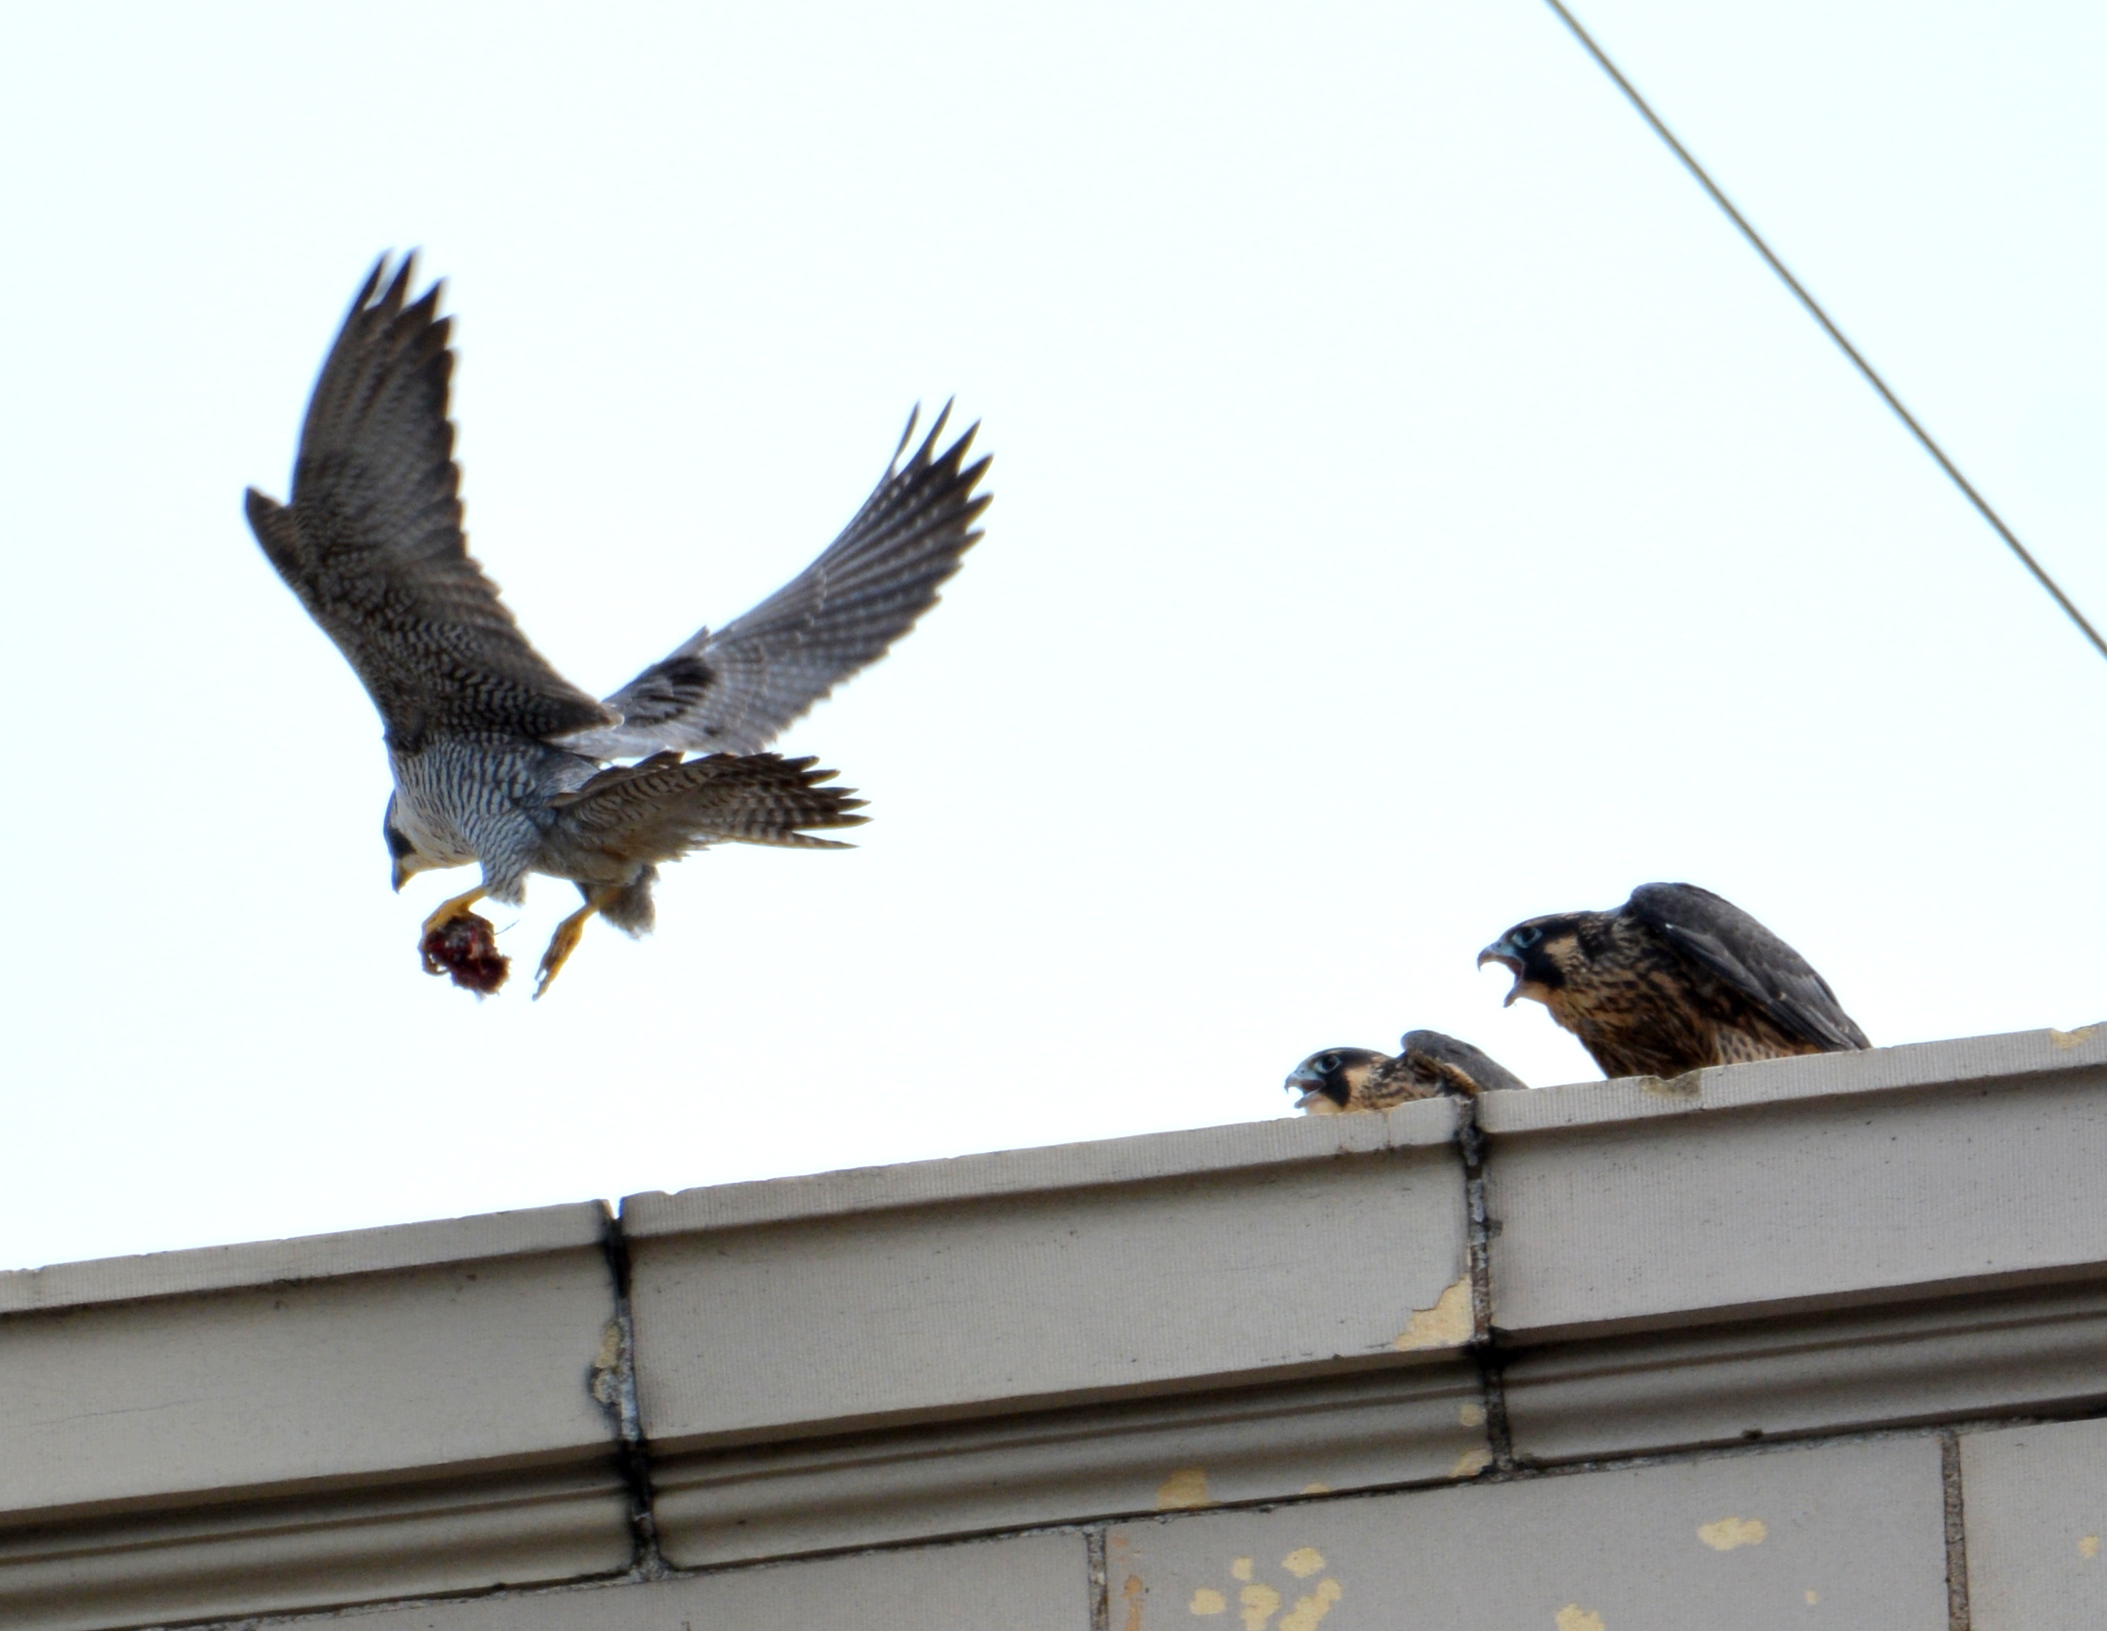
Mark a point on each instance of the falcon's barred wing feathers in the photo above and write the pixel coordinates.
(1718, 936)
(1468, 1069)
(372, 541)
(735, 690)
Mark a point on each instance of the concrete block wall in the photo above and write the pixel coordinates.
(1814, 1342)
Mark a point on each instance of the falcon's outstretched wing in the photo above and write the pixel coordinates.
(372, 542)
(734, 690)
(1719, 936)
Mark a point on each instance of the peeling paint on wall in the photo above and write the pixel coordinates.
(1184, 1490)
(1471, 1463)
(1309, 1611)
(1446, 1325)
(1729, 1533)
(1261, 1602)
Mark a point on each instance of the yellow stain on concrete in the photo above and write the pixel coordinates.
(2073, 1039)
(1575, 1618)
(1183, 1490)
(1261, 1602)
(1812, 1599)
(1134, 1591)
(1316, 1489)
(2088, 1546)
(1471, 1415)
(1446, 1325)
(1240, 1569)
(1729, 1533)
(1471, 1463)
(610, 1354)
(1689, 1085)
(1208, 1601)
(1308, 1612)
(1303, 1562)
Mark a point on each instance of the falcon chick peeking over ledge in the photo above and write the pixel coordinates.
(497, 758)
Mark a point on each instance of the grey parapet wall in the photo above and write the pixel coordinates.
(1814, 1341)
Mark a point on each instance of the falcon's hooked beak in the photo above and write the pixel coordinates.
(398, 876)
(1312, 1095)
(1324, 1082)
(1509, 956)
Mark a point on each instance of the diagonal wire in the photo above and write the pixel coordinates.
(1814, 309)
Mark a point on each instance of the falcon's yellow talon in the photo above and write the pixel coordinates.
(565, 941)
(449, 910)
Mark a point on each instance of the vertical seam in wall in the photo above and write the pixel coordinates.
(1471, 1145)
(615, 1387)
(1957, 1615)
(1100, 1580)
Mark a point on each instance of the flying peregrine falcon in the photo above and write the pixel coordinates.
(1428, 1065)
(497, 758)
(1674, 979)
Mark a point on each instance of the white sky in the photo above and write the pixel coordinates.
(1415, 510)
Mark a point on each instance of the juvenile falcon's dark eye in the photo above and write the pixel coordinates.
(1328, 1061)
(1522, 938)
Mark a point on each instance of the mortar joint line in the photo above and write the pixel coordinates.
(1957, 1611)
(616, 1390)
(1484, 1353)
(1100, 1579)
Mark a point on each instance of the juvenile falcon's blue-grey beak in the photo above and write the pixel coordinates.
(1509, 956)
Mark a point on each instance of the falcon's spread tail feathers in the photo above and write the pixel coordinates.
(734, 690)
(664, 807)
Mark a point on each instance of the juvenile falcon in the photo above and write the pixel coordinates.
(1674, 979)
(1427, 1065)
(497, 758)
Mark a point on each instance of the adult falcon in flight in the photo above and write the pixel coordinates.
(497, 758)
(1427, 1065)
(1674, 979)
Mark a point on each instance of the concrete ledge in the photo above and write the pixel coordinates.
(1419, 1424)
(1798, 1184)
(2035, 1352)
(1161, 1273)
(315, 1551)
(312, 1257)
(1052, 1169)
(1114, 1336)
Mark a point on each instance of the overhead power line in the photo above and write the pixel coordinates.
(1814, 309)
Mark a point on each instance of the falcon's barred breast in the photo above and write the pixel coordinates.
(497, 758)
(1674, 979)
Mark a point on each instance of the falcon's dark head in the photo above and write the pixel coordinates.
(1328, 1081)
(402, 850)
(1543, 954)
